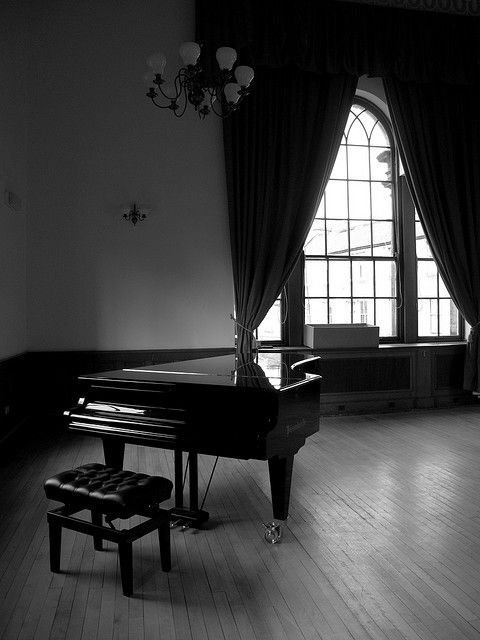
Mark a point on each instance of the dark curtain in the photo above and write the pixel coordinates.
(279, 151)
(437, 128)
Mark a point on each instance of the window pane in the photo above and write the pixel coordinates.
(368, 120)
(381, 163)
(337, 237)
(386, 317)
(320, 213)
(315, 278)
(385, 278)
(336, 199)
(339, 278)
(383, 241)
(340, 311)
(379, 137)
(360, 238)
(316, 311)
(428, 317)
(442, 289)
(358, 163)
(362, 278)
(315, 243)
(448, 318)
(270, 328)
(363, 310)
(382, 201)
(340, 166)
(426, 279)
(423, 250)
(359, 199)
(357, 133)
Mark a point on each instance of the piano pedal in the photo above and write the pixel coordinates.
(175, 523)
(273, 532)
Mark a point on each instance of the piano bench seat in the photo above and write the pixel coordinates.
(109, 494)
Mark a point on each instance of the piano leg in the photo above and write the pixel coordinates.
(178, 457)
(193, 516)
(280, 469)
(113, 451)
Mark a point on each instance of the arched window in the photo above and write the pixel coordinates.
(366, 258)
(351, 256)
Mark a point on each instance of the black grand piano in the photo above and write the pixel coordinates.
(261, 407)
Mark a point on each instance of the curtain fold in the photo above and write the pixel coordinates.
(438, 131)
(279, 152)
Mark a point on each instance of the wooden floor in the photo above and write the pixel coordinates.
(383, 543)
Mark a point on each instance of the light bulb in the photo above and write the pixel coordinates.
(157, 62)
(189, 53)
(226, 57)
(244, 75)
(231, 92)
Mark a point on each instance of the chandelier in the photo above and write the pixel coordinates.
(220, 95)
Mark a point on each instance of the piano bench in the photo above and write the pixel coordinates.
(109, 493)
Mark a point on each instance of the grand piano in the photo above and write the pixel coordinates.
(261, 407)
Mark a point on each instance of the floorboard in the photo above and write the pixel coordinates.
(382, 543)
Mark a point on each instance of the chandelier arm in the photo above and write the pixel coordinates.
(167, 97)
(185, 104)
(160, 106)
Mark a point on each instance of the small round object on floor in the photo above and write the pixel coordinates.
(273, 532)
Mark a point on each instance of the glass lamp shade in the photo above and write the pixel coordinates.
(189, 53)
(157, 62)
(226, 57)
(244, 75)
(231, 92)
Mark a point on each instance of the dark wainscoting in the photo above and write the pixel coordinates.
(393, 378)
(14, 394)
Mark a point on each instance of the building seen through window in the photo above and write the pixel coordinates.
(353, 267)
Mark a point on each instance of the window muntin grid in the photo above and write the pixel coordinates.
(437, 314)
(350, 252)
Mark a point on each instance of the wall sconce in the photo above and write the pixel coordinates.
(134, 213)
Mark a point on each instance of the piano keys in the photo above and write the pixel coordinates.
(260, 408)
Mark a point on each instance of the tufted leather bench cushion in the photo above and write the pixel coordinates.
(107, 490)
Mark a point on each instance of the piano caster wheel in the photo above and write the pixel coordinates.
(185, 526)
(273, 532)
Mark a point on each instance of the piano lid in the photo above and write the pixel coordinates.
(265, 370)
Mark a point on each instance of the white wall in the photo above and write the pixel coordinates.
(95, 142)
(12, 177)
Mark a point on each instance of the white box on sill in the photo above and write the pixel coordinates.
(341, 336)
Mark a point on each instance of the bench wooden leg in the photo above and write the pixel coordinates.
(97, 519)
(126, 567)
(164, 540)
(55, 537)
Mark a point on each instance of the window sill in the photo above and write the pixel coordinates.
(382, 346)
